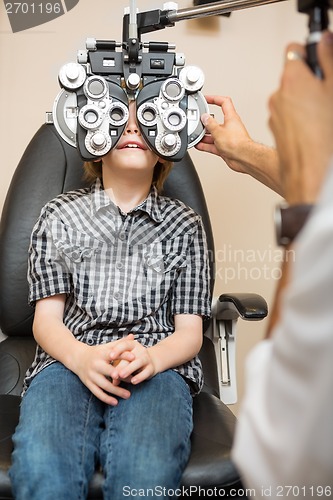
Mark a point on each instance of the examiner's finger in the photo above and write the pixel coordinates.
(207, 139)
(218, 100)
(295, 52)
(207, 148)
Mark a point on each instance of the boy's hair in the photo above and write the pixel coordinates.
(93, 170)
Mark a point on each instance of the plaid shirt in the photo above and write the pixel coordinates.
(122, 273)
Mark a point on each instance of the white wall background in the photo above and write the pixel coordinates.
(241, 56)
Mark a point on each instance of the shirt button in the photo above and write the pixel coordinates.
(122, 236)
(116, 295)
(119, 265)
(76, 255)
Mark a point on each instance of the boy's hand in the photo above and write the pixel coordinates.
(141, 367)
(92, 364)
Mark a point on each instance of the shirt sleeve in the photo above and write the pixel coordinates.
(284, 433)
(191, 291)
(47, 272)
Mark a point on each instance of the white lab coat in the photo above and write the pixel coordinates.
(285, 432)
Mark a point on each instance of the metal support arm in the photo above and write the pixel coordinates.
(226, 310)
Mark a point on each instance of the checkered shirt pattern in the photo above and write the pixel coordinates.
(122, 273)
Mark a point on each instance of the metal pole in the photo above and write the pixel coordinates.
(133, 28)
(215, 8)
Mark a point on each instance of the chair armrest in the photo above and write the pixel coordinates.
(248, 306)
(226, 311)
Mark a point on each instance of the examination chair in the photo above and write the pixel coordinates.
(49, 167)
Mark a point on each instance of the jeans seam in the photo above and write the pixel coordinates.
(108, 449)
(83, 452)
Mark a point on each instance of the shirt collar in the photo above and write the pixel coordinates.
(152, 205)
(99, 198)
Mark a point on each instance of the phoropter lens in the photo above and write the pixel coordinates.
(95, 87)
(174, 119)
(173, 89)
(147, 114)
(118, 114)
(90, 117)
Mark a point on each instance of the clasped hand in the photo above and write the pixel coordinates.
(102, 368)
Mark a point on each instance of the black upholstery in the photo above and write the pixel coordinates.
(48, 167)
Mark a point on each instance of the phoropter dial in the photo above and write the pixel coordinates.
(72, 76)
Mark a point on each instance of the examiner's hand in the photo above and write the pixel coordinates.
(302, 122)
(229, 139)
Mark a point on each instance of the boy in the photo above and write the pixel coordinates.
(119, 278)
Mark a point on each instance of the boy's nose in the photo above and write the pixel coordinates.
(131, 128)
(132, 124)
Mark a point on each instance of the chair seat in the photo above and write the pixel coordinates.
(9, 415)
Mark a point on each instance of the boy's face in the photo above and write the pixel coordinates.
(131, 150)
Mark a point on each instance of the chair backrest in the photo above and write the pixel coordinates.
(48, 167)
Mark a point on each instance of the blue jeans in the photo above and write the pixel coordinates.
(65, 432)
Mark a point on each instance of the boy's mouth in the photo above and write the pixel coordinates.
(131, 145)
